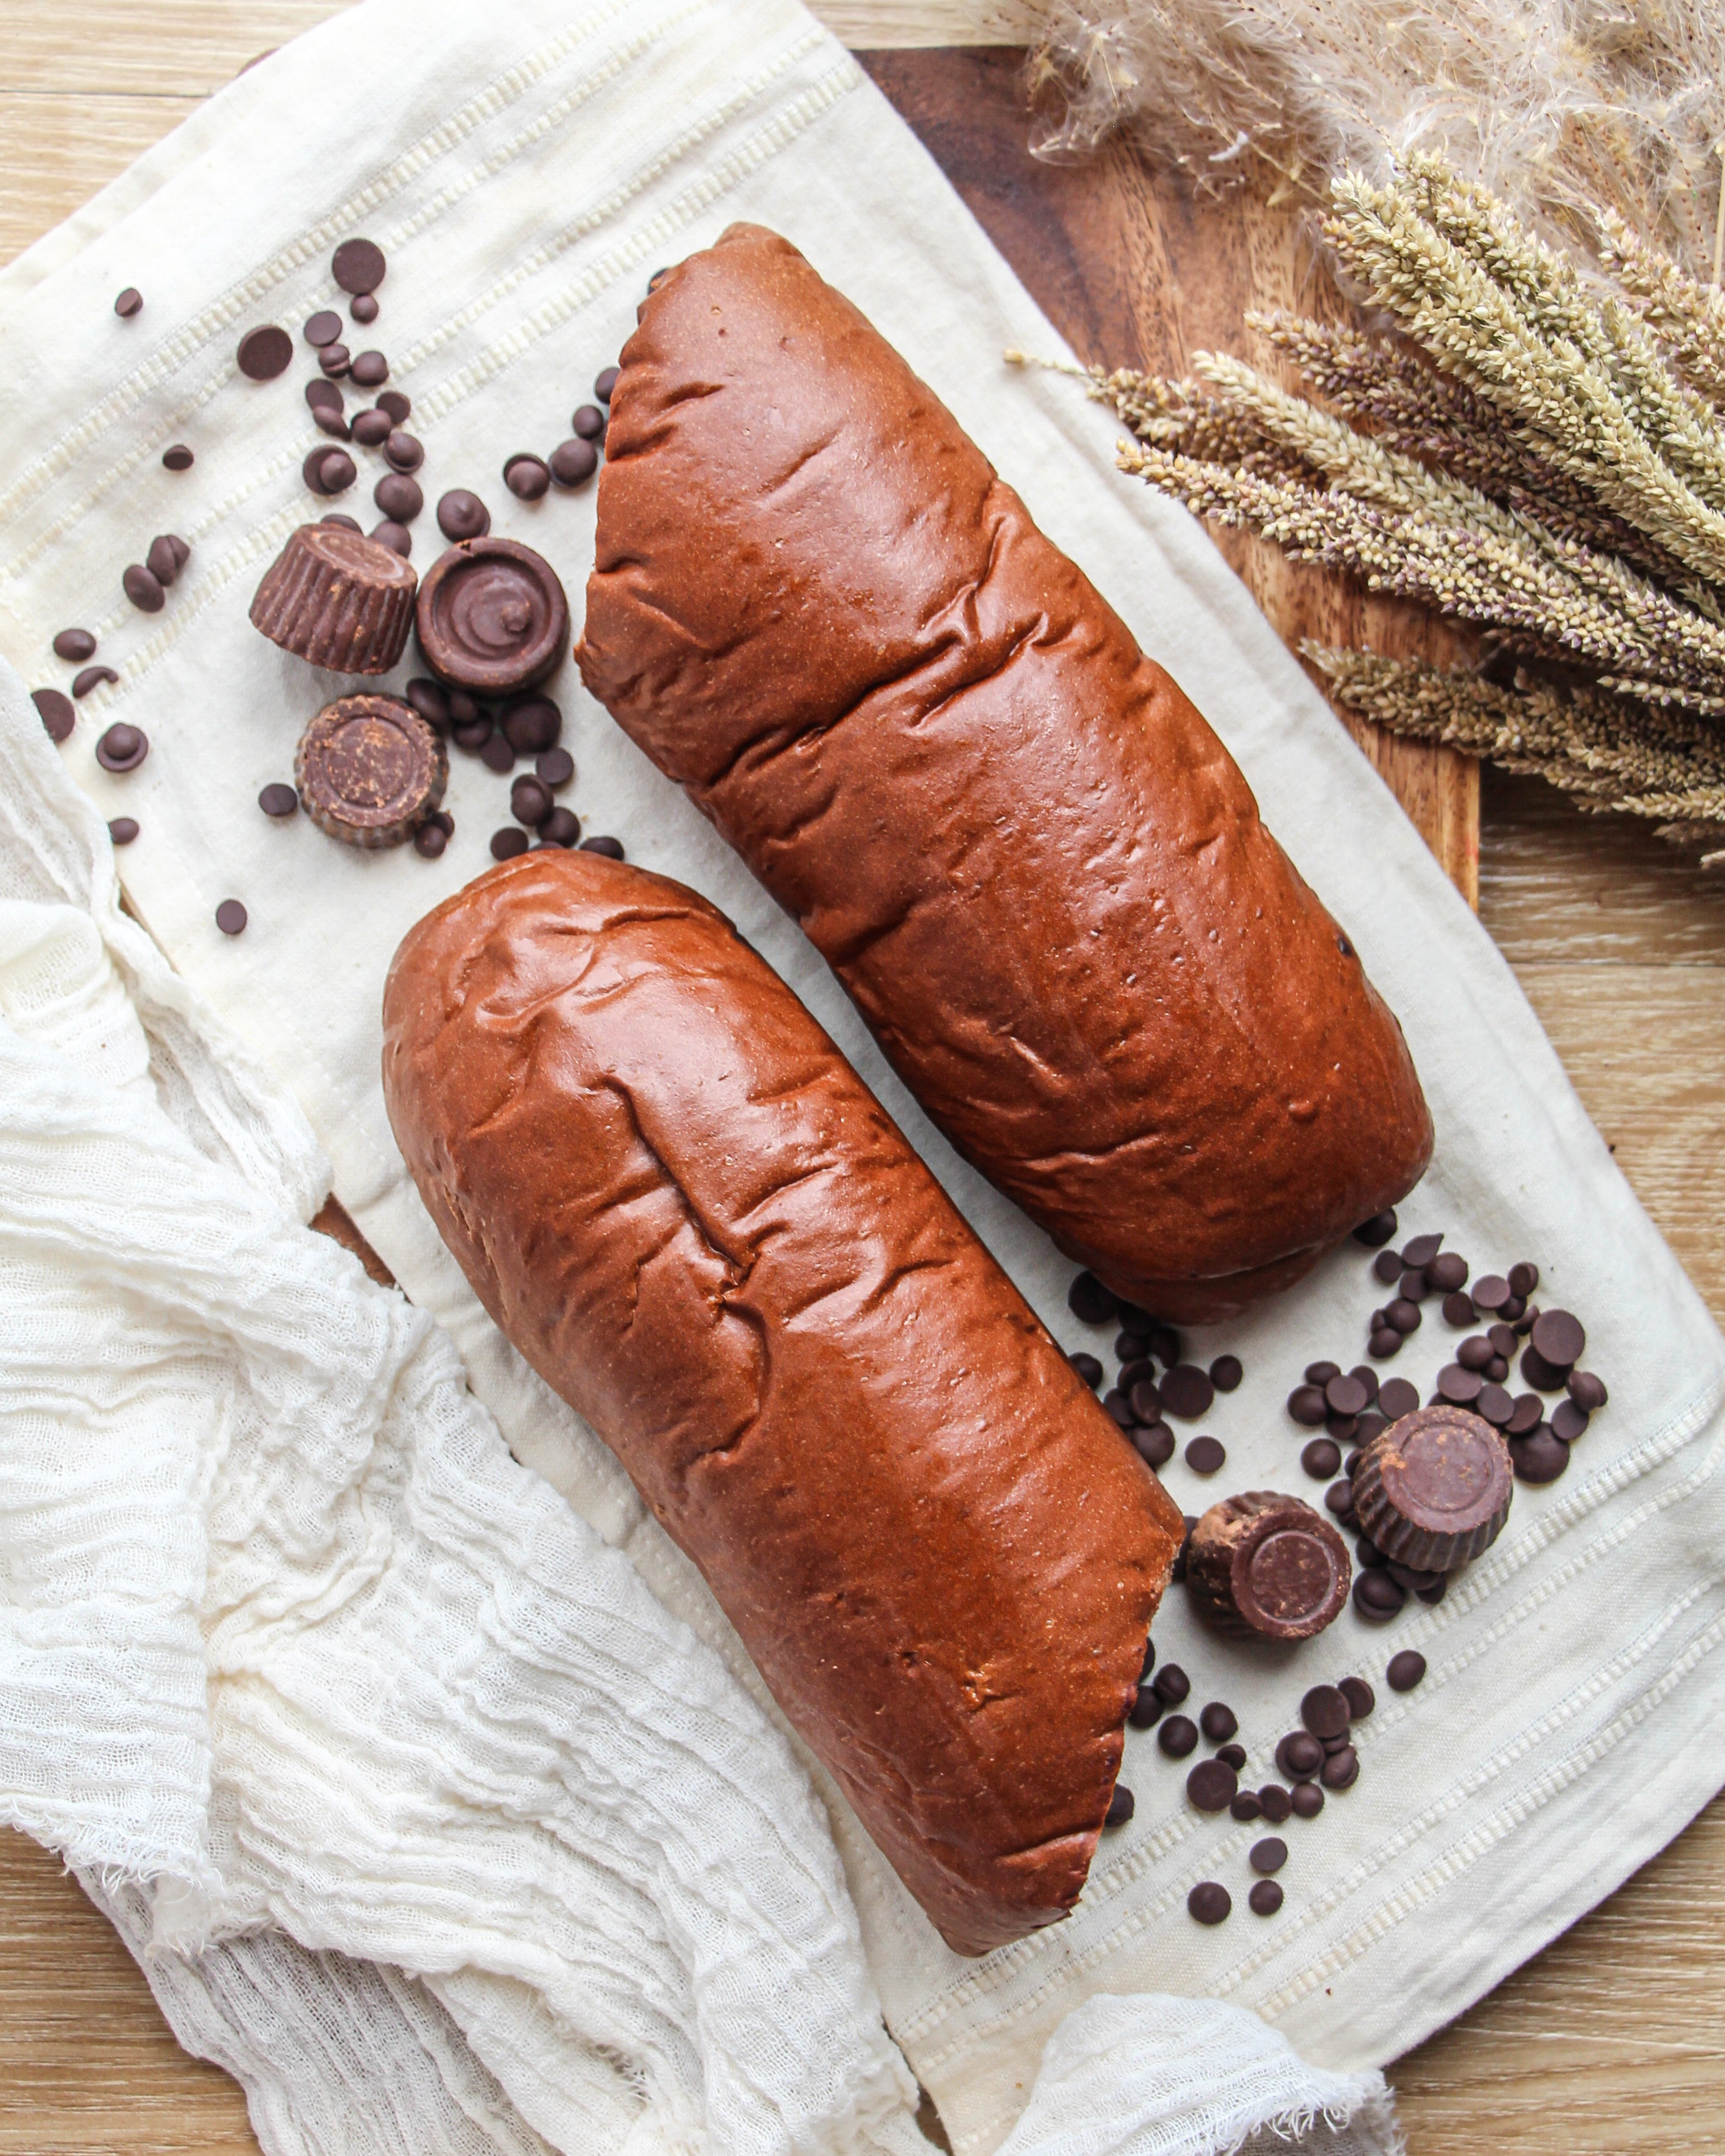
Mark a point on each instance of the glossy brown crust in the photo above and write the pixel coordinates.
(688, 1213)
(1034, 867)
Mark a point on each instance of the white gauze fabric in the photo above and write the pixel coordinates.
(530, 165)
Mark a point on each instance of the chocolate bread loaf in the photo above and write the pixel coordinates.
(689, 1214)
(1037, 872)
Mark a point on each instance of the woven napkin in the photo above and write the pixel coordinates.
(525, 170)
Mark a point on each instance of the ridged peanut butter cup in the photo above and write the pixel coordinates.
(1433, 1490)
(369, 770)
(338, 599)
(1264, 1566)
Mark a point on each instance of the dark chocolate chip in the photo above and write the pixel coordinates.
(1186, 1392)
(1204, 1456)
(430, 840)
(1540, 1457)
(129, 303)
(1587, 1391)
(1495, 1406)
(1116, 1404)
(122, 830)
(497, 755)
(1306, 1404)
(1560, 1338)
(168, 555)
(344, 522)
(400, 408)
(1513, 1309)
(1502, 1338)
(143, 588)
(400, 498)
(1154, 1442)
(1412, 1288)
(1346, 1396)
(574, 462)
(472, 735)
(463, 516)
(530, 802)
(1387, 1266)
(1246, 1805)
(74, 646)
(1265, 1898)
(1087, 1367)
(177, 458)
(1149, 1663)
(323, 328)
(1320, 1373)
(1360, 1697)
(1402, 1315)
(329, 471)
(604, 382)
(278, 800)
(1377, 1596)
(1542, 1376)
(372, 429)
(1569, 1421)
(328, 420)
(1367, 1377)
(1226, 1373)
(1340, 1769)
(92, 677)
(1325, 1711)
(1376, 1231)
(230, 916)
(1460, 1387)
(1338, 1499)
(1396, 1398)
(369, 369)
(1420, 1253)
(1525, 1414)
(1211, 1785)
(1322, 1458)
(1172, 1685)
(527, 478)
(318, 392)
(507, 842)
(1447, 1271)
(363, 308)
(1269, 1854)
(1145, 1401)
(358, 265)
(1405, 1670)
(1299, 1755)
(1209, 1903)
(1178, 1736)
(1475, 1352)
(1218, 1722)
(1523, 1278)
(1274, 1802)
(55, 709)
(588, 423)
(1234, 1754)
(122, 747)
(395, 536)
(1307, 1800)
(1146, 1709)
(264, 353)
(405, 451)
(556, 767)
(611, 849)
(1459, 1309)
(1492, 1291)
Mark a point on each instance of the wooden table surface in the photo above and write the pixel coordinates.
(1614, 2039)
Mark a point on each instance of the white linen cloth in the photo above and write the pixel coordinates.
(525, 169)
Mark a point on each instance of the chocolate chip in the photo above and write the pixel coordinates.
(168, 555)
(363, 308)
(1376, 1231)
(230, 916)
(1540, 1457)
(1523, 1278)
(372, 429)
(342, 522)
(405, 451)
(122, 747)
(1387, 1266)
(358, 265)
(1172, 1685)
(1325, 1711)
(430, 840)
(1512, 1310)
(1275, 1803)
(1405, 1670)
(264, 353)
(472, 735)
(1087, 1367)
(395, 536)
(1502, 1339)
(1306, 1404)
(1544, 1377)
(1346, 1396)
(143, 589)
(1492, 1291)
(74, 646)
(1322, 1458)
(1320, 1373)
(1233, 1754)
(129, 303)
(55, 709)
(1524, 1415)
(1460, 1387)
(1360, 1697)
(1186, 1392)
(1154, 1443)
(588, 423)
(323, 327)
(1459, 1309)
(278, 800)
(1218, 1722)
(1147, 1708)
(1246, 1805)
(340, 469)
(1149, 1662)
(177, 458)
(1226, 1373)
(1475, 1352)
(370, 370)
(1496, 1370)
(604, 382)
(1377, 1596)
(1446, 1272)
(1560, 1338)
(1089, 1302)
(1402, 1315)
(1269, 1854)
(556, 767)
(1145, 1402)
(530, 802)
(1265, 1898)
(1205, 1454)
(1178, 1736)
(1364, 1374)
(497, 755)
(399, 408)
(1307, 1800)
(462, 516)
(573, 462)
(1211, 1785)
(1338, 1499)
(1340, 1769)
(1396, 1398)
(92, 677)
(328, 420)
(1413, 1286)
(1587, 1391)
(1116, 1404)
(1495, 1406)
(399, 497)
(1569, 1421)
(1209, 1903)
(611, 849)
(1420, 1253)
(507, 842)
(1299, 1755)
(527, 478)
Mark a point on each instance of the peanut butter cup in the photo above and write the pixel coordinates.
(492, 616)
(1267, 1565)
(369, 770)
(338, 599)
(1434, 1490)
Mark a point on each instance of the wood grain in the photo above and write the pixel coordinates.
(1608, 2042)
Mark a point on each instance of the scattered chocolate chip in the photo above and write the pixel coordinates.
(358, 265)
(611, 849)
(430, 840)
(122, 747)
(1446, 1272)
(1116, 1404)
(1276, 1804)
(573, 462)
(405, 452)
(1087, 1367)
(1269, 1854)
(369, 369)
(1187, 1393)
(339, 517)
(1387, 1266)
(533, 724)
(1523, 1278)
(1322, 1458)
(1204, 1456)
(329, 471)
(372, 429)
(1154, 1442)
(1524, 1415)
(1149, 1662)
(507, 842)
(1147, 1708)
(1513, 1309)
(1218, 1722)
(1346, 1396)
(1460, 1386)
(462, 516)
(604, 382)
(1420, 1253)
(1226, 1373)
(1475, 1352)
(1325, 1711)
(143, 589)
(129, 303)
(1377, 1596)
(1341, 1428)
(1402, 1315)
(334, 360)
(1320, 1373)
(1211, 1785)
(319, 394)
(1544, 1377)
(1360, 1697)
(264, 353)
(1265, 1898)
(1396, 1398)
(325, 327)
(399, 407)
(168, 555)
(278, 800)
(363, 308)
(528, 477)
(1587, 1391)
(74, 646)
(1376, 1231)
(530, 802)
(395, 536)
(472, 735)
(497, 755)
(1340, 1769)
(1178, 1736)
(92, 677)
(1494, 1405)
(1405, 1670)
(1299, 1755)
(328, 420)
(122, 830)
(399, 497)
(1412, 1287)
(55, 709)
(1567, 1421)
(1209, 1903)
(1246, 1804)
(1492, 1291)
(588, 423)
(1145, 1401)
(177, 458)
(1560, 1338)
(1459, 1309)
(1306, 1404)
(230, 916)
(1502, 1339)
(1234, 1755)
(1338, 1499)
(1172, 1685)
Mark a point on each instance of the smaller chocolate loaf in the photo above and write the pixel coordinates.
(492, 616)
(338, 599)
(1266, 1566)
(1433, 1490)
(370, 770)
